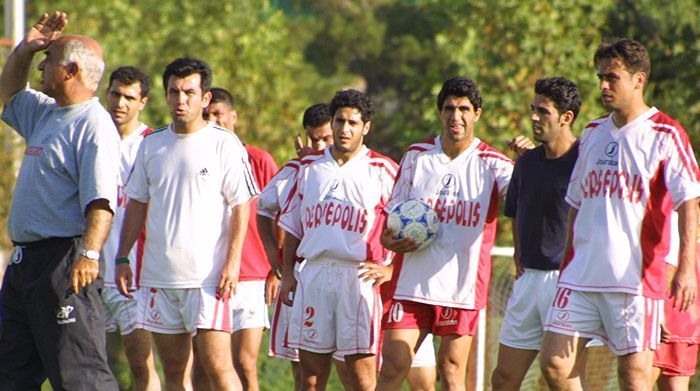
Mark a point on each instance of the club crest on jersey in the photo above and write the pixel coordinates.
(63, 315)
(448, 186)
(334, 191)
(611, 151)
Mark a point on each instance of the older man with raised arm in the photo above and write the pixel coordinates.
(52, 319)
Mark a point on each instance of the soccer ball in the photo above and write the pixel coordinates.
(416, 220)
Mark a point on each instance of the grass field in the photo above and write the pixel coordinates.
(275, 374)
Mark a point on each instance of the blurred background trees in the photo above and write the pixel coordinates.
(280, 56)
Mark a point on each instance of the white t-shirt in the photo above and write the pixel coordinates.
(625, 183)
(338, 211)
(190, 182)
(455, 269)
(128, 148)
(276, 193)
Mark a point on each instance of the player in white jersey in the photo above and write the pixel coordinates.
(635, 165)
(317, 124)
(334, 220)
(441, 288)
(191, 185)
(127, 96)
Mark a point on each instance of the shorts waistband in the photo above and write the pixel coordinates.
(44, 242)
(346, 262)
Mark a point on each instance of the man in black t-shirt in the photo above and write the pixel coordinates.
(536, 203)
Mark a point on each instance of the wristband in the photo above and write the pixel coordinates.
(277, 270)
(121, 260)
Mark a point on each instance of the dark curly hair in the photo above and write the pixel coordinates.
(354, 99)
(633, 54)
(221, 95)
(129, 75)
(316, 116)
(185, 66)
(562, 92)
(460, 87)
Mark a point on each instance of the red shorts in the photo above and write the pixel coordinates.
(676, 358)
(437, 319)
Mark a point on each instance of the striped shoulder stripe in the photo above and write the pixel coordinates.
(377, 159)
(312, 157)
(294, 163)
(662, 123)
(423, 145)
(597, 122)
(487, 151)
(159, 130)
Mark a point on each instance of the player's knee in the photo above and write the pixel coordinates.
(395, 366)
(451, 375)
(502, 379)
(554, 369)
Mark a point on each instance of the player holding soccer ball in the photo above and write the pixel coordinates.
(334, 220)
(441, 288)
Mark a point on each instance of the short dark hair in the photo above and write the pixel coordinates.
(129, 75)
(185, 66)
(355, 99)
(316, 116)
(459, 87)
(221, 95)
(633, 54)
(562, 92)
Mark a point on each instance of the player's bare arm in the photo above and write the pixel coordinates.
(134, 219)
(289, 254)
(684, 284)
(516, 251)
(232, 266)
(266, 229)
(570, 220)
(98, 218)
(375, 271)
(16, 71)
(404, 245)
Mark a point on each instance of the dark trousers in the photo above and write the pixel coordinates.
(45, 330)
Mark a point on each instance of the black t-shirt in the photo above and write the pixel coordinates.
(536, 200)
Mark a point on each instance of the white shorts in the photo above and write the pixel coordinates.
(425, 356)
(249, 308)
(627, 323)
(527, 309)
(184, 310)
(278, 333)
(121, 313)
(278, 330)
(334, 311)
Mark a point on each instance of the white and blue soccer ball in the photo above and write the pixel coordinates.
(416, 220)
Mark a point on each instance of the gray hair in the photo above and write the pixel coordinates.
(91, 65)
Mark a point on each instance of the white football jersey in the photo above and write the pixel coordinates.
(455, 269)
(128, 149)
(338, 211)
(625, 183)
(276, 193)
(190, 182)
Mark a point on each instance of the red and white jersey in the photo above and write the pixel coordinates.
(454, 270)
(625, 183)
(190, 182)
(128, 148)
(276, 193)
(338, 211)
(254, 264)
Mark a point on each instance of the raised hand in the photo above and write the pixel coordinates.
(45, 30)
